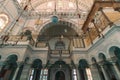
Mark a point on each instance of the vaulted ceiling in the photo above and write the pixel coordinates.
(73, 11)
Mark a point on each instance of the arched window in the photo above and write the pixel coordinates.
(9, 67)
(35, 70)
(3, 21)
(107, 66)
(84, 70)
(97, 66)
(44, 74)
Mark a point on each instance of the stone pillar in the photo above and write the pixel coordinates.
(1, 65)
(31, 73)
(94, 72)
(25, 72)
(104, 72)
(78, 75)
(116, 70)
(85, 74)
(15, 74)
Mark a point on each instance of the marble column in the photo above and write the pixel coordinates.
(30, 75)
(15, 74)
(104, 72)
(94, 73)
(78, 75)
(116, 70)
(85, 74)
(25, 72)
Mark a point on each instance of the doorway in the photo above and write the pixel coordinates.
(60, 75)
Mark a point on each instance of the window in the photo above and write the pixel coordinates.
(3, 21)
(89, 75)
(31, 74)
(74, 73)
(44, 74)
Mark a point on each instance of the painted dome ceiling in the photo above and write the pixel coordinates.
(59, 5)
(73, 11)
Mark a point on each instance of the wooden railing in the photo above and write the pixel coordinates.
(98, 20)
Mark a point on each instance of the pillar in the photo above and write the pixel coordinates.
(94, 72)
(104, 72)
(15, 74)
(116, 70)
(78, 75)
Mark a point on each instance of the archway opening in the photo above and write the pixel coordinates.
(114, 52)
(35, 70)
(98, 68)
(60, 75)
(9, 67)
(106, 66)
(58, 29)
(83, 64)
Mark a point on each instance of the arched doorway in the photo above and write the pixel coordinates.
(83, 64)
(60, 75)
(114, 52)
(115, 55)
(60, 71)
(35, 70)
(106, 67)
(99, 70)
(9, 67)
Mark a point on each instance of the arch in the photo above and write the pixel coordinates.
(37, 63)
(13, 53)
(83, 64)
(60, 75)
(57, 67)
(36, 69)
(114, 51)
(69, 24)
(60, 62)
(12, 57)
(101, 56)
(9, 67)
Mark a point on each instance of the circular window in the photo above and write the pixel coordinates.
(3, 21)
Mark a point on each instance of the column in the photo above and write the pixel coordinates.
(25, 72)
(85, 74)
(94, 72)
(15, 74)
(31, 73)
(105, 75)
(78, 75)
(116, 70)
